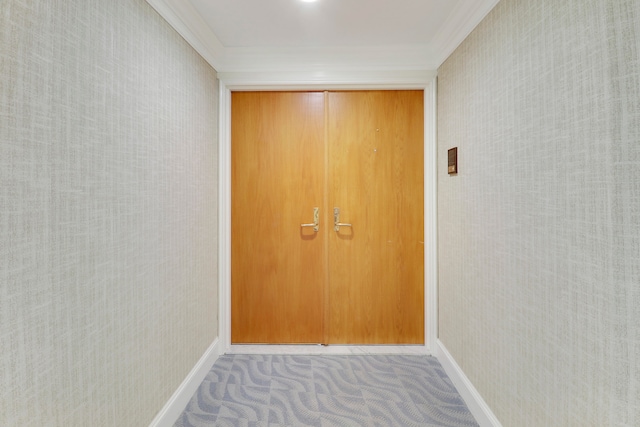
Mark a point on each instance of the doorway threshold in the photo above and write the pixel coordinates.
(319, 349)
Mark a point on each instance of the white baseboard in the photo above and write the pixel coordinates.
(478, 407)
(174, 407)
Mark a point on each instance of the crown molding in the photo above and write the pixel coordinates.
(186, 20)
(464, 18)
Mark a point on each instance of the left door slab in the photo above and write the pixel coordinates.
(278, 268)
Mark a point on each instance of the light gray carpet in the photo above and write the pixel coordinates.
(323, 391)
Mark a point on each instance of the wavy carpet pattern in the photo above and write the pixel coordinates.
(324, 391)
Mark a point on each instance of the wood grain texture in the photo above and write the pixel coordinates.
(360, 151)
(376, 267)
(278, 268)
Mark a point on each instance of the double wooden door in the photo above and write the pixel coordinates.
(297, 159)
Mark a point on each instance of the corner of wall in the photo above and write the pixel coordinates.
(476, 404)
(171, 411)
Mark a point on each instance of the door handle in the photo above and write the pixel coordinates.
(316, 220)
(336, 220)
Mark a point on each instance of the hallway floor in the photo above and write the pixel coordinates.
(323, 391)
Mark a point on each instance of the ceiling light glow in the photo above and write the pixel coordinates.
(309, 1)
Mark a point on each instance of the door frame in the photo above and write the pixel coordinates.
(378, 80)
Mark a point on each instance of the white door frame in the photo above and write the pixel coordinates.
(329, 81)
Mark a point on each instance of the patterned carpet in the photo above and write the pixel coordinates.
(323, 391)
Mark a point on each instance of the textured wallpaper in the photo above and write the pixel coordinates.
(108, 201)
(539, 233)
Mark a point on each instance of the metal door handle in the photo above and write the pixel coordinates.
(336, 220)
(316, 220)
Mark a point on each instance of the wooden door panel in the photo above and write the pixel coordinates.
(376, 267)
(278, 269)
(360, 151)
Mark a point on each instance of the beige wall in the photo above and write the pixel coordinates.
(108, 212)
(539, 233)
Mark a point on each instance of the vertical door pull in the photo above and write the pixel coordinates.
(316, 220)
(336, 220)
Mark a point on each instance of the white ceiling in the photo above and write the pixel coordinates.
(271, 35)
(335, 23)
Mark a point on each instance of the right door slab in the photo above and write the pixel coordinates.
(375, 177)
